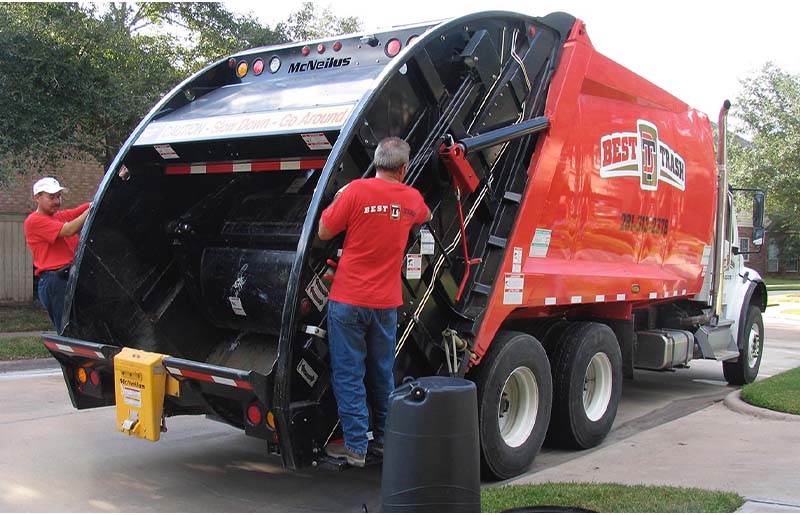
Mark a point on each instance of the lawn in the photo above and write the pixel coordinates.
(31, 317)
(610, 498)
(778, 393)
(22, 347)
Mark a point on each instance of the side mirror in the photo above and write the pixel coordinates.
(758, 217)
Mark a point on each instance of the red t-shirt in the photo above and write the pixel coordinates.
(41, 232)
(377, 216)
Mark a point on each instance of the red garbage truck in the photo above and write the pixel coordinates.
(583, 228)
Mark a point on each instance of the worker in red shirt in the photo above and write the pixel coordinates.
(376, 215)
(52, 236)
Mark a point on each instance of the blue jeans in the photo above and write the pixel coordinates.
(361, 344)
(52, 289)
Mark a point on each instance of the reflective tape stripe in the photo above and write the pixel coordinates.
(653, 295)
(599, 298)
(208, 378)
(577, 299)
(74, 350)
(262, 165)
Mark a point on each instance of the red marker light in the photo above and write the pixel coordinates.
(305, 307)
(320, 48)
(254, 414)
(337, 46)
(532, 30)
(393, 47)
(231, 62)
(411, 39)
(258, 66)
(306, 50)
(94, 377)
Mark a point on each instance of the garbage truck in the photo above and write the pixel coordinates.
(583, 228)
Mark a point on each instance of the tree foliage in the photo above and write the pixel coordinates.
(768, 110)
(77, 78)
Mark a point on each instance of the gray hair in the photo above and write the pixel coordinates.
(392, 153)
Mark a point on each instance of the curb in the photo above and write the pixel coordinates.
(27, 365)
(734, 402)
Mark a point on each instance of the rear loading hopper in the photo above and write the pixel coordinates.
(201, 245)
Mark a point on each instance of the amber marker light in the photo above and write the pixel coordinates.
(241, 69)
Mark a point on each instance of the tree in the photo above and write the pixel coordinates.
(311, 22)
(768, 109)
(75, 78)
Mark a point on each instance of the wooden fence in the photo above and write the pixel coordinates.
(16, 262)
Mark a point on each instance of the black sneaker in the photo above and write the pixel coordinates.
(338, 450)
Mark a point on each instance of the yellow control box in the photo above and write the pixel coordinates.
(140, 383)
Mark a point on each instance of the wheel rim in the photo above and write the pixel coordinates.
(518, 407)
(597, 386)
(753, 346)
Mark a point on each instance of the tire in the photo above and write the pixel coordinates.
(587, 384)
(515, 396)
(751, 345)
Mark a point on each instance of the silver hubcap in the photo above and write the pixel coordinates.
(519, 404)
(753, 346)
(597, 387)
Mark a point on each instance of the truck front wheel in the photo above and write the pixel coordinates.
(751, 344)
(514, 401)
(587, 384)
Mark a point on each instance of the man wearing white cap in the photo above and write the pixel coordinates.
(52, 236)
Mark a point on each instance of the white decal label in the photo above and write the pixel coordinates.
(317, 292)
(516, 265)
(512, 288)
(540, 243)
(307, 373)
(317, 141)
(413, 266)
(426, 243)
(706, 259)
(166, 151)
(132, 396)
(236, 306)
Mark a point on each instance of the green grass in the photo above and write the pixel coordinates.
(778, 393)
(22, 347)
(611, 498)
(781, 281)
(24, 318)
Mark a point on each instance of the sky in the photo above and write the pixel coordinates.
(698, 50)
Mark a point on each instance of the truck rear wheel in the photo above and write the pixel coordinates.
(587, 384)
(514, 399)
(751, 345)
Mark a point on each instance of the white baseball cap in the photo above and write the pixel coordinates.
(48, 185)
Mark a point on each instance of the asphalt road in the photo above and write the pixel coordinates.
(57, 459)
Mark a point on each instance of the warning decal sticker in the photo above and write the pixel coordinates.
(512, 288)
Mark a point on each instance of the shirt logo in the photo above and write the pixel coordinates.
(395, 212)
(641, 154)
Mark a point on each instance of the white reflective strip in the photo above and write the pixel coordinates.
(66, 348)
(599, 298)
(174, 371)
(243, 167)
(290, 165)
(549, 301)
(224, 380)
(201, 168)
(666, 294)
(99, 354)
(653, 295)
(675, 293)
(577, 299)
(683, 292)
(620, 296)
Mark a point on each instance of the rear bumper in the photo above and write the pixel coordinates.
(219, 392)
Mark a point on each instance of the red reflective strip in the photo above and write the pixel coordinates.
(243, 385)
(210, 379)
(50, 345)
(179, 169)
(313, 162)
(265, 166)
(219, 168)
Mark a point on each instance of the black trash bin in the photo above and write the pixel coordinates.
(431, 460)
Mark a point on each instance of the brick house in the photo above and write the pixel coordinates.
(80, 176)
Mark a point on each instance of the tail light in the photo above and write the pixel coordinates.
(254, 414)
